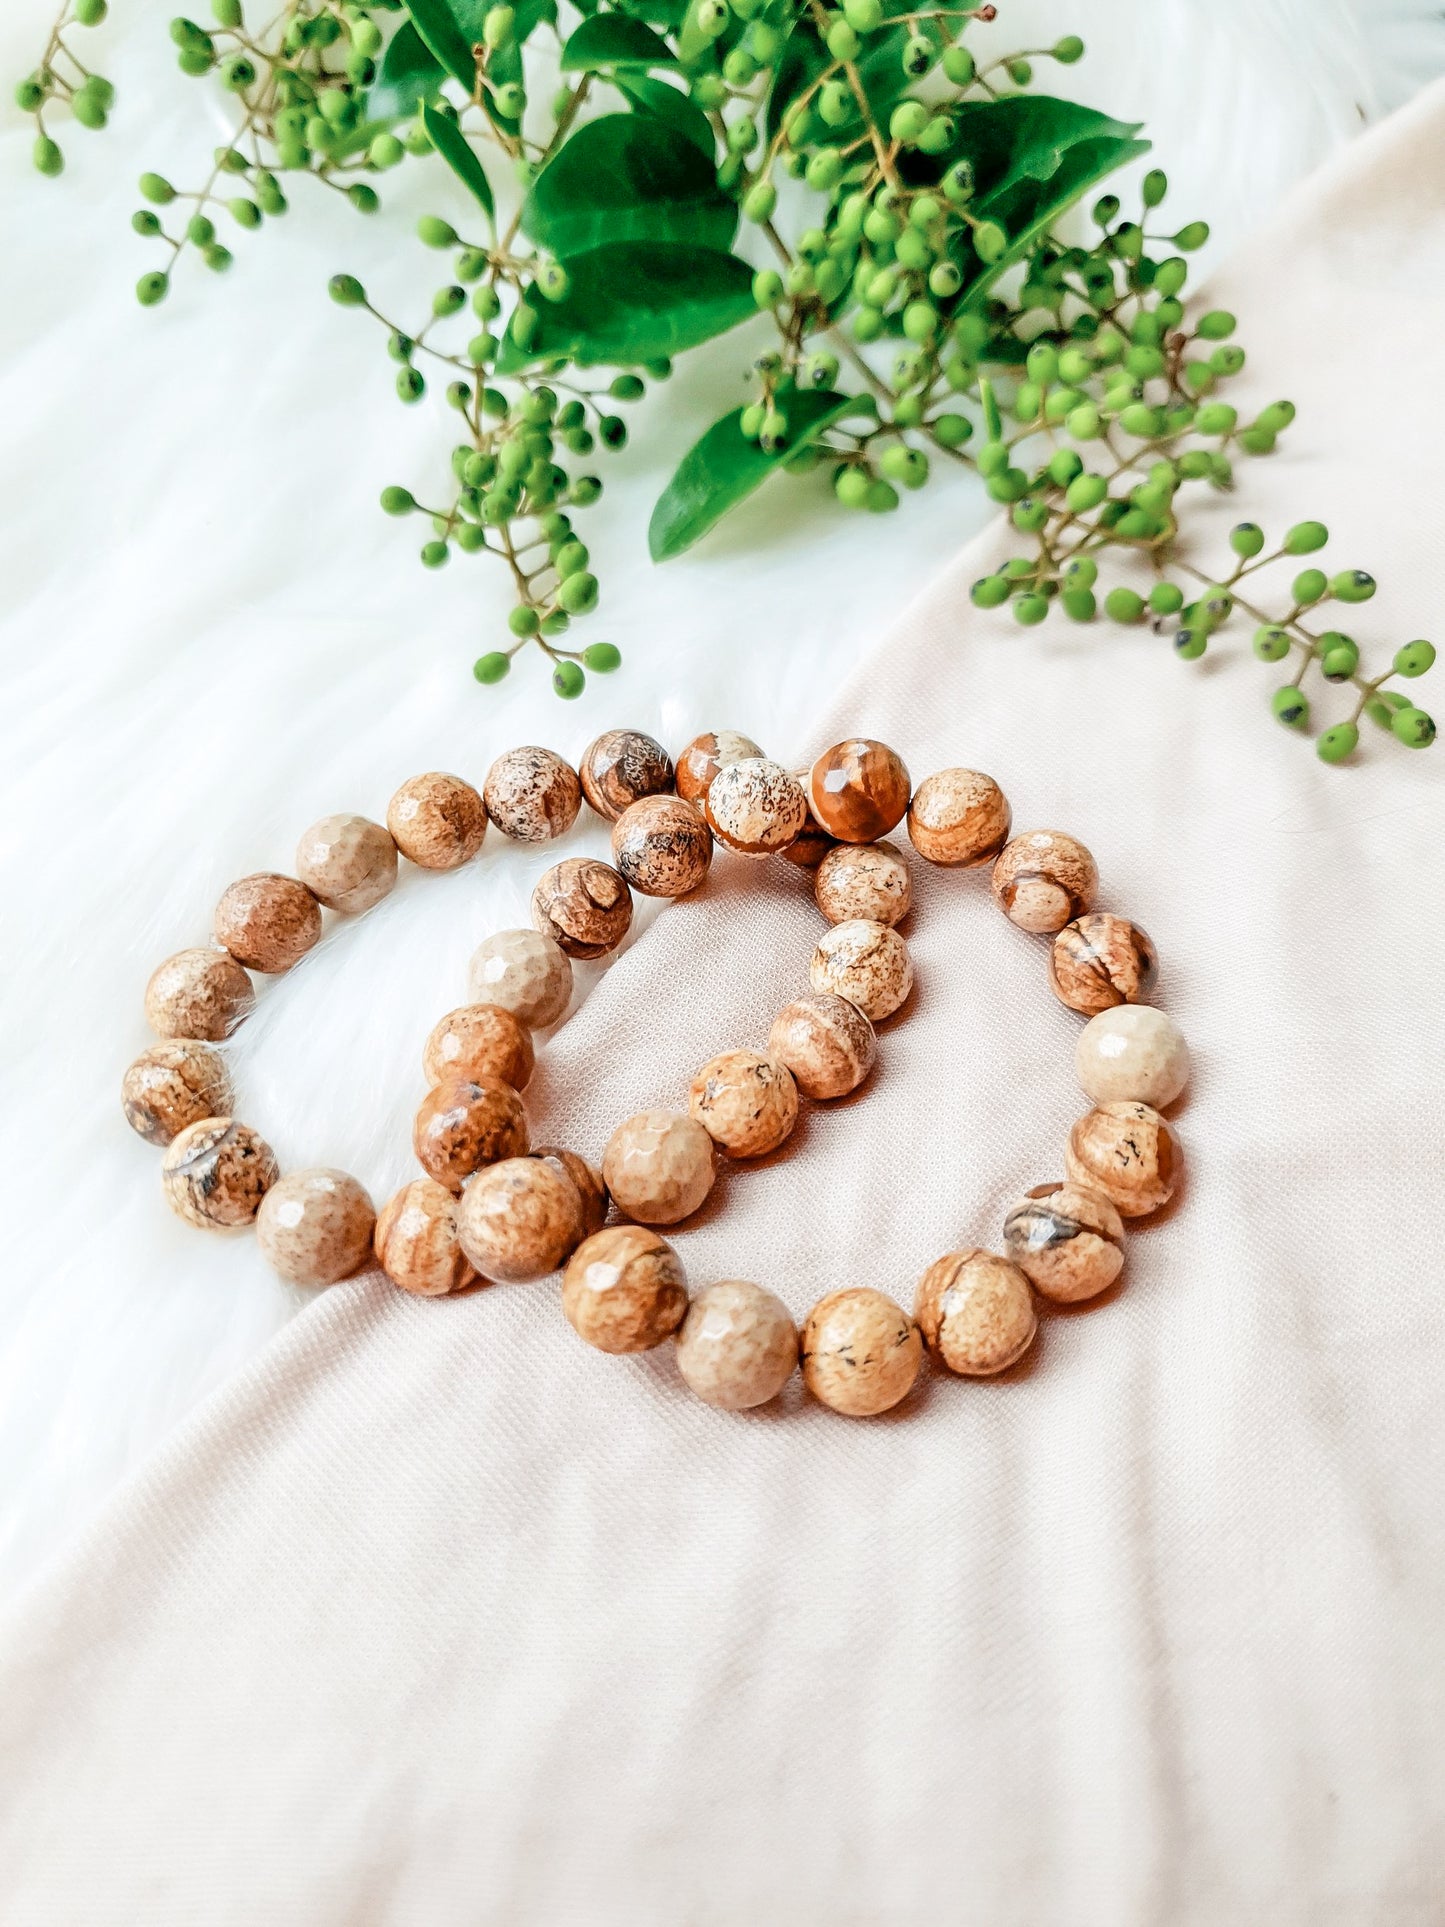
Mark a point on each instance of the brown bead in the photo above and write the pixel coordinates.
(267, 922)
(658, 1167)
(662, 846)
(438, 821)
(1043, 880)
(1130, 1153)
(481, 1042)
(347, 862)
(865, 962)
(584, 906)
(520, 1219)
(976, 1313)
(861, 1352)
(747, 1103)
(756, 807)
(811, 844)
(704, 756)
(525, 973)
(172, 1085)
(826, 1042)
(416, 1241)
(858, 790)
(621, 766)
(463, 1125)
(738, 1345)
(959, 816)
(198, 993)
(588, 1180)
(315, 1227)
(624, 1289)
(1101, 961)
(216, 1172)
(868, 880)
(1067, 1239)
(532, 795)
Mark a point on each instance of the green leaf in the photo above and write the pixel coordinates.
(439, 28)
(409, 74)
(461, 157)
(616, 40)
(667, 104)
(635, 302)
(627, 177)
(879, 67)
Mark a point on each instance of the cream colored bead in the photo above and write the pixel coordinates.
(198, 993)
(216, 1172)
(172, 1085)
(659, 1167)
(738, 1345)
(976, 1312)
(583, 905)
(267, 922)
(1067, 1239)
(531, 794)
(861, 1352)
(480, 1041)
(624, 1289)
(463, 1125)
(661, 846)
(519, 1219)
(755, 806)
(525, 973)
(746, 1102)
(416, 1241)
(865, 962)
(588, 1180)
(438, 821)
(347, 862)
(1043, 880)
(863, 880)
(1130, 1153)
(959, 816)
(315, 1227)
(1132, 1053)
(826, 1042)
(704, 756)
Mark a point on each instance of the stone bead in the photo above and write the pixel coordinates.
(756, 807)
(811, 844)
(315, 1227)
(482, 1042)
(865, 962)
(658, 1167)
(1100, 961)
(662, 846)
(583, 906)
(737, 1346)
(216, 1172)
(172, 1085)
(200, 994)
(520, 1219)
(959, 816)
(704, 756)
(438, 821)
(416, 1241)
(826, 1042)
(267, 922)
(347, 862)
(624, 1289)
(621, 766)
(1067, 1239)
(747, 1103)
(858, 790)
(463, 1125)
(588, 1180)
(524, 972)
(1132, 1054)
(1130, 1153)
(532, 795)
(863, 880)
(1043, 880)
(976, 1313)
(861, 1352)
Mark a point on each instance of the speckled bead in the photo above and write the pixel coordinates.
(959, 816)
(172, 1085)
(438, 821)
(621, 766)
(480, 1041)
(624, 1289)
(860, 1352)
(755, 807)
(1133, 1053)
(1130, 1153)
(589, 1182)
(1099, 961)
(858, 790)
(525, 973)
(463, 1125)
(658, 1167)
(216, 1172)
(737, 1346)
(532, 795)
(826, 1042)
(519, 1219)
(865, 962)
(347, 862)
(1043, 880)
(661, 846)
(267, 922)
(704, 756)
(976, 1313)
(1067, 1239)
(315, 1227)
(747, 1103)
(416, 1241)
(863, 880)
(584, 906)
(200, 994)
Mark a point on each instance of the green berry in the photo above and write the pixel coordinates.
(989, 592)
(1352, 585)
(217, 258)
(990, 243)
(1124, 605)
(524, 621)
(491, 667)
(863, 16)
(950, 430)
(843, 44)
(578, 593)
(346, 290)
(1337, 743)
(47, 156)
(469, 537)
(1414, 659)
(1067, 51)
(1305, 537)
(89, 105)
(1339, 657)
(568, 680)
(767, 288)
(152, 287)
(1166, 599)
(1029, 609)
(907, 121)
(881, 497)
(603, 657)
(410, 386)
(1291, 707)
(850, 485)
(1246, 539)
(244, 213)
(1413, 727)
(1190, 644)
(1271, 644)
(434, 232)
(1382, 706)
(90, 13)
(364, 199)
(1086, 492)
(200, 231)
(760, 201)
(1082, 572)
(1217, 325)
(1193, 236)
(1079, 604)
(959, 66)
(1275, 418)
(146, 223)
(1309, 586)
(29, 94)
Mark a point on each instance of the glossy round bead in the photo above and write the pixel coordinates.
(1130, 1153)
(520, 1219)
(1132, 1053)
(704, 756)
(959, 816)
(738, 1345)
(863, 880)
(1043, 880)
(315, 1227)
(811, 844)
(661, 846)
(755, 807)
(588, 1180)
(624, 1289)
(416, 1241)
(865, 962)
(200, 994)
(1100, 961)
(532, 795)
(747, 1103)
(858, 790)
(438, 821)
(525, 973)
(347, 862)
(481, 1042)
(658, 1167)
(1067, 1239)
(976, 1312)
(621, 766)
(463, 1125)
(826, 1042)
(583, 906)
(267, 922)
(216, 1172)
(172, 1085)
(861, 1352)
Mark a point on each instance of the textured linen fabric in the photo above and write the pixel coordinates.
(436, 1616)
